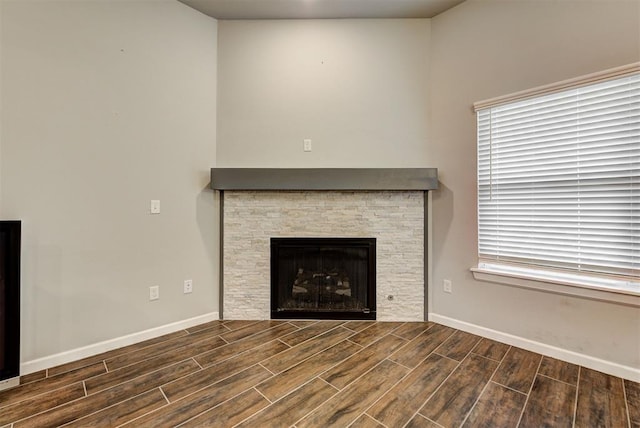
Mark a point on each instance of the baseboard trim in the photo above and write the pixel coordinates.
(594, 363)
(32, 366)
(9, 383)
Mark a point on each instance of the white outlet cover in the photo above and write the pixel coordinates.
(188, 286)
(155, 206)
(154, 292)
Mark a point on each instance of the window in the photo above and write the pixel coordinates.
(559, 179)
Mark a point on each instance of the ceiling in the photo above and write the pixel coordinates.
(320, 9)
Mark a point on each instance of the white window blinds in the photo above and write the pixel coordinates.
(559, 179)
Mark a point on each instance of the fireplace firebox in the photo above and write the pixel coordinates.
(323, 278)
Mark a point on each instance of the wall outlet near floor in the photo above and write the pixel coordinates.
(306, 145)
(154, 292)
(188, 286)
(446, 286)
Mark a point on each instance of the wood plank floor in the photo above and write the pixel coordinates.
(320, 374)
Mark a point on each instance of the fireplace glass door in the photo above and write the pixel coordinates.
(323, 278)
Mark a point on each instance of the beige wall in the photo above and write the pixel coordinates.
(105, 106)
(357, 88)
(482, 49)
(399, 93)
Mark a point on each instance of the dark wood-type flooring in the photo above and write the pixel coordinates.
(320, 374)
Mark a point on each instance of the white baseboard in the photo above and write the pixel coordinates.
(9, 383)
(594, 363)
(108, 345)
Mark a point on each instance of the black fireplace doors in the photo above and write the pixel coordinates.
(323, 278)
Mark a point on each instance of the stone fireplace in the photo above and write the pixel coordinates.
(390, 210)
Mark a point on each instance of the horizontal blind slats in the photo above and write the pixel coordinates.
(559, 179)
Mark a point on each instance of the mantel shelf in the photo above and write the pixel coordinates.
(398, 179)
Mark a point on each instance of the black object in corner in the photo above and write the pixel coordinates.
(10, 234)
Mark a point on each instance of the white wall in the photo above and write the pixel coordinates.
(357, 88)
(105, 106)
(483, 49)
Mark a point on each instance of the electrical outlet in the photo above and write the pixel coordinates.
(188, 286)
(306, 146)
(154, 292)
(446, 286)
(155, 206)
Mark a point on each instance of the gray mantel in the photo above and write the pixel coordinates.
(400, 179)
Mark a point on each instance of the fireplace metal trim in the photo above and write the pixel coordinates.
(395, 179)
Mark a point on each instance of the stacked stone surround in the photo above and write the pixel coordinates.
(394, 218)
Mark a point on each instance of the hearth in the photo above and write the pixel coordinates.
(323, 278)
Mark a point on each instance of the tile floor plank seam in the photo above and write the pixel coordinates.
(196, 361)
(626, 403)
(459, 363)
(209, 391)
(265, 397)
(149, 412)
(417, 371)
(287, 395)
(511, 389)
(54, 383)
(103, 356)
(222, 378)
(409, 344)
(113, 392)
(88, 415)
(360, 353)
(45, 411)
(214, 407)
(575, 402)
(475, 403)
(243, 342)
(487, 384)
(310, 355)
(262, 365)
(417, 412)
(37, 413)
(415, 348)
(552, 378)
(135, 377)
(452, 372)
(318, 376)
(352, 385)
(365, 412)
(179, 343)
(526, 402)
(433, 422)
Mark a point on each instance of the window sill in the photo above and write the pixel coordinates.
(553, 282)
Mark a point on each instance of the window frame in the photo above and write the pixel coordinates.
(605, 287)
